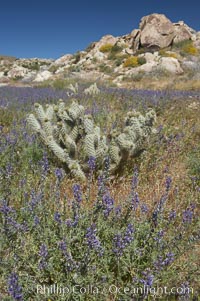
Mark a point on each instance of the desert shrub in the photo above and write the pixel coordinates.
(164, 53)
(53, 68)
(116, 48)
(132, 61)
(77, 57)
(34, 66)
(105, 69)
(141, 60)
(186, 47)
(106, 47)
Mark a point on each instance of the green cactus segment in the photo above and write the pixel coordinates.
(73, 136)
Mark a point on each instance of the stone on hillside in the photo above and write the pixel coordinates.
(171, 65)
(17, 71)
(149, 57)
(156, 31)
(135, 34)
(99, 56)
(44, 75)
(182, 32)
(63, 59)
(108, 39)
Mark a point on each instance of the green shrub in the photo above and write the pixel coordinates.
(141, 60)
(116, 48)
(105, 69)
(35, 66)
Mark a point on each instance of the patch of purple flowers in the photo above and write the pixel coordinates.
(14, 287)
(43, 253)
(120, 242)
(92, 240)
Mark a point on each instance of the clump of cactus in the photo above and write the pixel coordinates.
(74, 138)
(92, 90)
(73, 88)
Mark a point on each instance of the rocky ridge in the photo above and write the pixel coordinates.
(157, 46)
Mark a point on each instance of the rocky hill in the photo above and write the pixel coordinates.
(157, 47)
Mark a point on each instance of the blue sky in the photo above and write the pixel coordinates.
(50, 29)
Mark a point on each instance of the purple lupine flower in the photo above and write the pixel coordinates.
(118, 211)
(168, 183)
(92, 240)
(159, 236)
(118, 245)
(128, 236)
(107, 164)
(57, 217)
(59, 173)
(36, 220)
(92, 163)
(172, 215)
(169, 259)
(187, 216)
(135, 200)
(70, 264)
(135, 178)
(108, 204)
(17, 226)
(148, 278)
(144, 208)
(121, 241)
(72, 223)
(186, 290)
(44, 163)
(162, 262)
(63, 246)
(14, 287)
(43, 253)
(5, 209)
(77, 193)
(35, 199)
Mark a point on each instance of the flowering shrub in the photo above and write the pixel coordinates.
(186, 47)
(132, 61)
(106, 47)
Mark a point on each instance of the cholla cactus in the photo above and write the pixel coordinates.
(73, 88)
(92, 90)
(73, 137)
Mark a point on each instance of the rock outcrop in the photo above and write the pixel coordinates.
(156, 30)
(154, 46)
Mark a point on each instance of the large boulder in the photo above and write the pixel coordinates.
(182, 32)
(156, 31)
(63, 60)
(171, 65)
(17, 71)
(135, 35)
(44, 75)
(108, 39)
